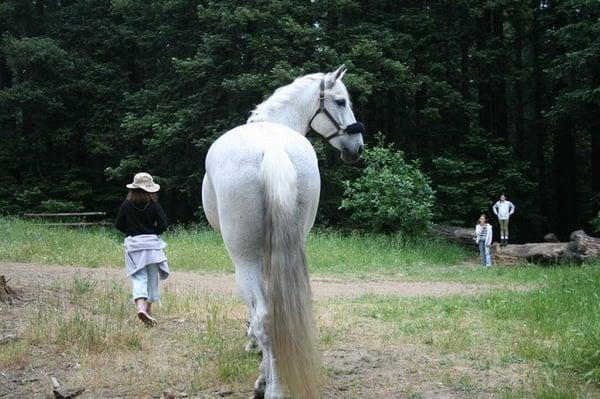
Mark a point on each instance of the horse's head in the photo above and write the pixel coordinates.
(334, 119)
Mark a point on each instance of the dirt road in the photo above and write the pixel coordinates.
(26, 274)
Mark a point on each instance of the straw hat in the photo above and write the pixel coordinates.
(144, 181)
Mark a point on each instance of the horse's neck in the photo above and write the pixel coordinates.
(295, 118)
(295, 113)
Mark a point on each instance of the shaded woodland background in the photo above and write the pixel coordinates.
(487, 96)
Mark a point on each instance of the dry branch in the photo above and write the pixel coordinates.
(64, 393)
(7, 294)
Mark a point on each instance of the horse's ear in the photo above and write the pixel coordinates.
(336, 75)
(340, 72)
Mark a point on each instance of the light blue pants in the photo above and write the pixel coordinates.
(484, 251)
(145, 283)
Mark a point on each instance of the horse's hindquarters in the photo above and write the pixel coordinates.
(233, 180)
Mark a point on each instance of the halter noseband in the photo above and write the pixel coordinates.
(339, 131)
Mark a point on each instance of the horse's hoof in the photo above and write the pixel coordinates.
(259, 387)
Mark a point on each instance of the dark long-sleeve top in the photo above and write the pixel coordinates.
(135, 220)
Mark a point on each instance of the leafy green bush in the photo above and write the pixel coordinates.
(391, 195)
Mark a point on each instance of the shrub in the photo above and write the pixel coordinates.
(391, 195)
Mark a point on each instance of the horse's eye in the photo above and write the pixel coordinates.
(341, 102)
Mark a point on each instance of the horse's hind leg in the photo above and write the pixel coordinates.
(242, 227)
(248, 278)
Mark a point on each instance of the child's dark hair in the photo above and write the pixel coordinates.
(138, 196)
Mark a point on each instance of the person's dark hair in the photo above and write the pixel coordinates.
(138, 196)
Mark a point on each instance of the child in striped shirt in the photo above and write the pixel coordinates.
(483, 237)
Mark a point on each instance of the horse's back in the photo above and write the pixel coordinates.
(246, 144)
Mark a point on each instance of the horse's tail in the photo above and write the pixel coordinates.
(290, 322)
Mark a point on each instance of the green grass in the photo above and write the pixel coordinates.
(330, 253)
(556, 327)
(200, 249)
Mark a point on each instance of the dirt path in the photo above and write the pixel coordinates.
(26, 274)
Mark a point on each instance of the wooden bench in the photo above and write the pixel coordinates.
(83, 218)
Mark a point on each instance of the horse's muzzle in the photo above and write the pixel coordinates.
(352, 148)
(351, 156)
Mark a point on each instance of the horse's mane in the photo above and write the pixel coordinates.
(282, 96)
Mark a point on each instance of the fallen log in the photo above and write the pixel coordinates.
(457, 235)
(551, 237)
(581, 248)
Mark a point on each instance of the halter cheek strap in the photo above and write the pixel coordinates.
(338, 129)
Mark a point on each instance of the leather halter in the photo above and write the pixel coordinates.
(339, 130)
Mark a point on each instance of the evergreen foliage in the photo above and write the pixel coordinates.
(488, 96)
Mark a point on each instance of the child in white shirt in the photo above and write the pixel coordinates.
(504, 210)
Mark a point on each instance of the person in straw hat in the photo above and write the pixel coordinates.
(142, 219)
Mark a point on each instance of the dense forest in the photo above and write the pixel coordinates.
(487, 96)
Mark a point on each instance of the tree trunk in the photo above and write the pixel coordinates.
(484, 95)
(595, 147)
(595, 137)
(519, 132)
(499, 83)
(492, 85)
(5, 75)
(565, 176)
(539, 128)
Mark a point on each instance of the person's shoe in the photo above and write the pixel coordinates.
(148, 320)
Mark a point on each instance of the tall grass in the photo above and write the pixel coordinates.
(332, 252)
(200, 249)
(198, 342)
(94, 320)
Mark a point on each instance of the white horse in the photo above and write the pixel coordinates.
(261, 192)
